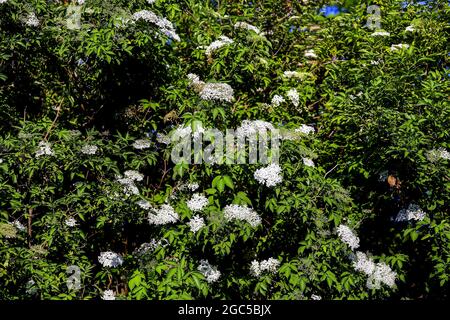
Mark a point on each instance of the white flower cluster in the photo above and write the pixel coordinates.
(197, 202)
(217, 91)
(193, 186)
(292, 74)
(347, 236)
(270, 175)
(164, 25)
(253, 127)
(277, 100)
(270, 265)
(89, 149)
(413, 212)
(3, 1)
(162, 138)
(293, 96)
(247, 26)
(134, 175)
(316, 297)
(436, 154)
(32, 20)
(108, 295)
(211, 90)
(70, 222)
(380, 34)
(243, 213)
(44, 149)
(151, 1)
(310, 54)
(144, 204)
(305, 129)
(18, 225)
(410, 29)
(217, 44)
(377, 273)
(164, 215)
(128, 182)
(396, 47)
(308, 162)
(196, 223)
(141, 144)
(80, 2)
(110, 259)
(211, 273)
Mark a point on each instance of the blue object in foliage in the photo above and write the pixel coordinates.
(330, 10)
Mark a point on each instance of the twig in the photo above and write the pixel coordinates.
(58, 109)
(330, 171)
(30, 220)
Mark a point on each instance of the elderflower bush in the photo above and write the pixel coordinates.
(357, 201)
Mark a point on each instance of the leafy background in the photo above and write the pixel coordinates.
(110, 83)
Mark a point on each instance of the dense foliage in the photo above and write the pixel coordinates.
(359, 209)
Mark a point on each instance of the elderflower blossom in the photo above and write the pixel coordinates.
(277, 100)
(196, 223)
(164, 215)
(129, 187)
(413, 212)
(247, 26)
(108, 295)
(44, 149)
(381, 274)
(141, 144)
(380, 33)
(70, 222)
(363, 263)
(110, 259)
(209, 272)
(144, 204)
(193, 186)
(243, 213)
(215, 45)
(396, 47)
(293, 96)
(347, 236)
(310, 54)
(18, 225)
(291, 74)
(89, 149)
(270, 175)
(164, 25)
(436, 154)
(32, 20)
(410, 29)
(305, 129)
(162, 138)
(3, 1)
(197, 202)
(377, 272)
(217, 91)
(270, 265)
(308, 162)
(134, 175)
(253, 127)
(316, 297)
